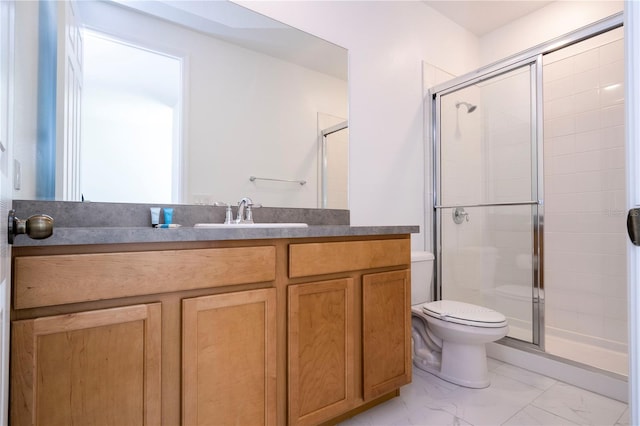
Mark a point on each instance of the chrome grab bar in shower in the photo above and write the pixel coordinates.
(515, 203)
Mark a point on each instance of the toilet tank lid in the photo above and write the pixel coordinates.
(418, 256)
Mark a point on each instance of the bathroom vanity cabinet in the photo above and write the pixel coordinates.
(266, 331)
(349, 336)
(91, 367)
(229, 358)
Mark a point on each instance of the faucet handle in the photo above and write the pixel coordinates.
(228, 217)
(249, 212)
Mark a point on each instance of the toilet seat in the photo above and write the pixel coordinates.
(464, 314)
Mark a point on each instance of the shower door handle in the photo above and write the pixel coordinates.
(633, 226)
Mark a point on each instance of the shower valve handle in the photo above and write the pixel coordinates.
(459, 215)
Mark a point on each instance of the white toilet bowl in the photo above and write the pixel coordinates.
(449, 337)
(449, 340)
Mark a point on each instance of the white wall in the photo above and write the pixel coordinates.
(554, 20)
(387, 43)
(139, 128)
(25, 110)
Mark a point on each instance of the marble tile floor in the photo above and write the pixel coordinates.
(516, 397)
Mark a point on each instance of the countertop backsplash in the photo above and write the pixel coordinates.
(91, 214)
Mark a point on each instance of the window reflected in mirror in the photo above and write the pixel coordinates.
(131, 121)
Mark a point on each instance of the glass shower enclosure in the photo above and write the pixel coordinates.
(529, 194)
(487, 209)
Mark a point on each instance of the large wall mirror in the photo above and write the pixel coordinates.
(176, 102)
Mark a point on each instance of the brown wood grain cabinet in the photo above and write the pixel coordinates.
(321, 350)
(89, 368)
(349, 338)
(260, 332)
(229, 359)
(386, 322)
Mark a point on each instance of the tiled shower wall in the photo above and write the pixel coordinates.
(584, 175)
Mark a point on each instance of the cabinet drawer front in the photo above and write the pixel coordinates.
(60, 279)
(327, 258)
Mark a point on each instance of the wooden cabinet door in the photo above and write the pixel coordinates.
(321, 350)
(386, 332)
(229, 359)
(90, 368)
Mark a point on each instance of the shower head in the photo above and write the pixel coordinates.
(470, 107)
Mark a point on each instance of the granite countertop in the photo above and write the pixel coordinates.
(122, 235)
(78, 223)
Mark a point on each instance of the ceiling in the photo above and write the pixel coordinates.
(481, 17)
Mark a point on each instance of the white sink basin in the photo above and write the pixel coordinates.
(250, 225)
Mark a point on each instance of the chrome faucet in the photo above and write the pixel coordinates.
(245, 214)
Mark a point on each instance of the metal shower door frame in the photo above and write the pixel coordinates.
(534, 66)
(533, 58)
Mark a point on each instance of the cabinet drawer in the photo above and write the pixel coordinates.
(60, 279)
(327, 258)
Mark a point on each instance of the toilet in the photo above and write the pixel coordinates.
(449, 337)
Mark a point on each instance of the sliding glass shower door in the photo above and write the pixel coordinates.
(499, 241)
(486, 196)
(584, 175)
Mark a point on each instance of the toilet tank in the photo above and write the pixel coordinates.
(421, 277)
